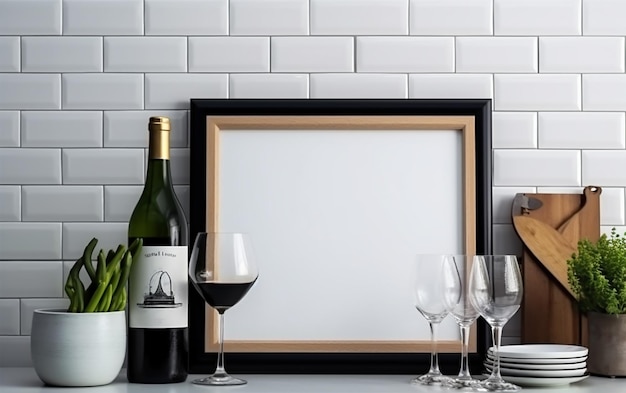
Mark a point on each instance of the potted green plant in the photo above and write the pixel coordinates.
(85, 345)
(597, 275)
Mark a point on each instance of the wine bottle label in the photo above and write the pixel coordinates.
(157, 289)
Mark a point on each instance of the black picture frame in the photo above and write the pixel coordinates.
(334, 363)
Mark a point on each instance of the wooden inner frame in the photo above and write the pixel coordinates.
(215, 125)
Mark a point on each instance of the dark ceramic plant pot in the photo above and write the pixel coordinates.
(607, 344)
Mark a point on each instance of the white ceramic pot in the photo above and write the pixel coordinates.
(78, 349)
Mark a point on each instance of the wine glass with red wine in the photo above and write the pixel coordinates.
(222, 268)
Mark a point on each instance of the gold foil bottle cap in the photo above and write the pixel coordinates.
(159, 123)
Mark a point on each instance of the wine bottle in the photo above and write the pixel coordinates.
(158, 285)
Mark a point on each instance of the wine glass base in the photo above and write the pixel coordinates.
(498, 385)
(219, 380)
(464, 383)
(430, 379)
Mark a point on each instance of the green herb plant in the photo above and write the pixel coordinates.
(107, 290)
(597, 274)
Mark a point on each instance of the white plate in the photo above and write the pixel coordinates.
(540, 373)
(542, 351)
(539, 361)
(542, 382)
(532, 366)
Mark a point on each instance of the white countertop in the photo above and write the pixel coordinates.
(24, 380)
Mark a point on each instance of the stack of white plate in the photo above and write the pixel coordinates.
(540, 364)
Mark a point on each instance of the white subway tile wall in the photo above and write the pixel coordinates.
(79, 79)
(72, 54)
(405, 54)
(9, 54)
(9, 128)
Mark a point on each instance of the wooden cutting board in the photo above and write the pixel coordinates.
(549, 312)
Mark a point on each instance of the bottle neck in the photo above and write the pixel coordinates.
(158, 174)
(159, 147)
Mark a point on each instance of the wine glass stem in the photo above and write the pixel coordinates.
(496, 334)
(464, 372)
(434, 358)
(220, 357)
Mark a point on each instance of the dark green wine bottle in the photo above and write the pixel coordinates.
(157, 297)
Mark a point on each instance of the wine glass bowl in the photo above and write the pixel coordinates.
(222, 268)
(496, 291)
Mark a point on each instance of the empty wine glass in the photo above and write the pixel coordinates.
(222, 268)
(427, 282)
(496, 291)
(456, 278)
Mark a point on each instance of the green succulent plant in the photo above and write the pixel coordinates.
(107, 290)
(597, 274)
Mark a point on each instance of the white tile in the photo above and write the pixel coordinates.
(612, 206)
(145, 54)
(603, 92)
(9, 129)
(496, 54)
(173, 91)
(604, 17)
(29, 240)
(312, 54)
(19, 348)
(450, 86)
(9, 54)
(61, 129)
(102, 17)
(514, 130)
(560, 190)
(358, 86)
(30, 166)
(405, 54)
(182, 193)
(359, 17)
(269, 86)
(103, 166)
(536, 168)
(179, 163)
(9, 317)
(62, 203)
(269, 17)
(130, 128)
(28, 306)
(30, 91)
(33, 17)
(229, 54)
(603, 168)
(581, 54)
(186, 17)
(102, 91)
(10, 205)
(119, 202)
(31, 279)
(451, 17)
(582, 130)
(537, 17)
(537, 92)
(606, 229)
(502, 201)
(77, 235)
(61, 54)
(505, 240)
